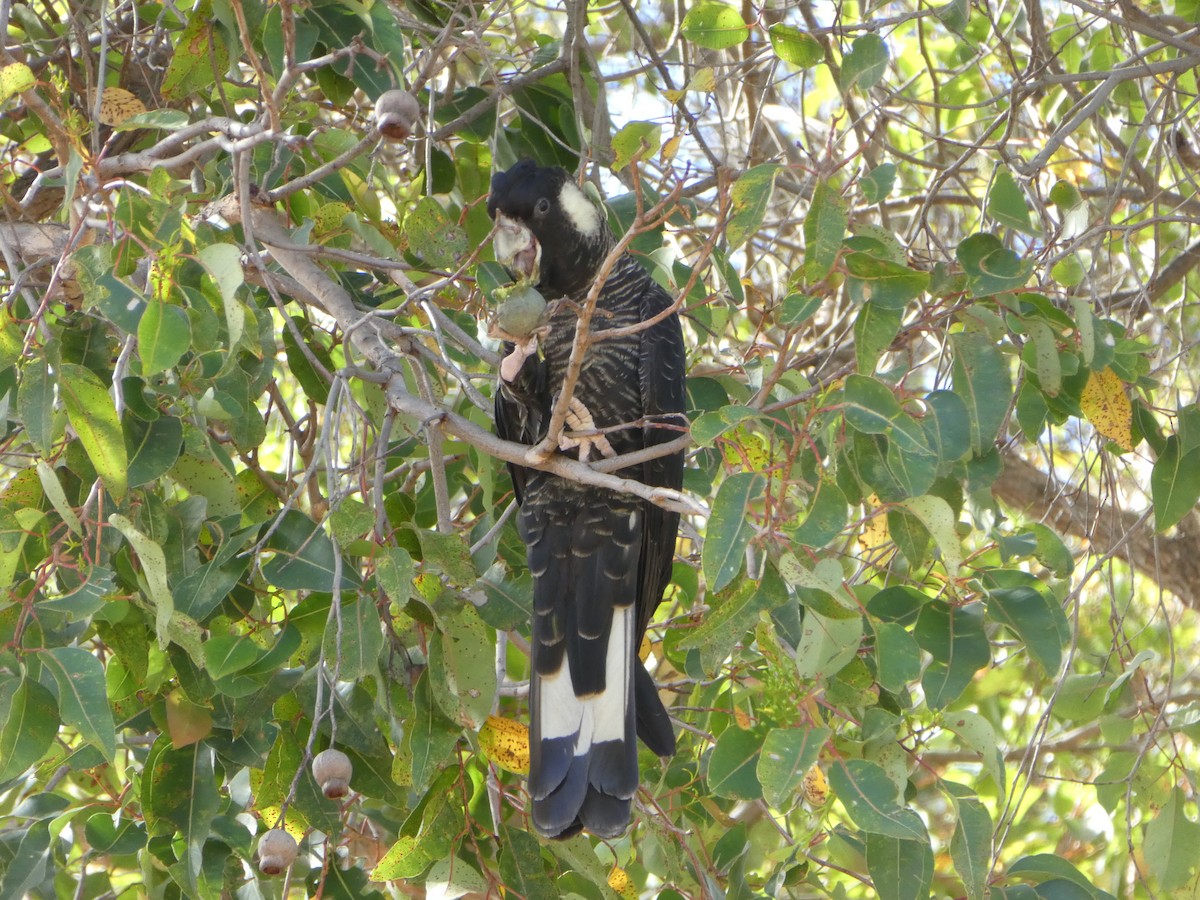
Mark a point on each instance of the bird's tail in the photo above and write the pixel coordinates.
(590, 697)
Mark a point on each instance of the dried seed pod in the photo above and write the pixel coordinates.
(332, 771)
(396, 114)
(276, 851)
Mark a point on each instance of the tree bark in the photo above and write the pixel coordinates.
(1173, 563)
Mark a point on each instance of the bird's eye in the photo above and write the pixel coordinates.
(541, 207)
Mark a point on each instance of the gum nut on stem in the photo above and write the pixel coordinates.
(331, 769)
(276, 851)
(396, 114)
(521, 311)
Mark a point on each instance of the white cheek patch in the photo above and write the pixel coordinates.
(584, 216)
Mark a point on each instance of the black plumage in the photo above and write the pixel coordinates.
(600, 560)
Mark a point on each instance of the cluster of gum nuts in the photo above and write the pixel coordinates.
(277, 849)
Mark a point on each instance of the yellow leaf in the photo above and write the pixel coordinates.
(816, 788)
(294, 824)
(874, 534)
(670, 147)
(1106, 406)
(743, 446)
(329, 217)
(428, 585)
(644, 649)
(118, 106)
(620, 882)
(506, 743)
(14, 79)
(704, 80)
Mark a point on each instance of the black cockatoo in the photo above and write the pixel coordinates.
(600, 560)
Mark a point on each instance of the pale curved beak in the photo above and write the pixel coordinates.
(517, 249)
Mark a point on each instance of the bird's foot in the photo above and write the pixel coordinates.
(523, 348)
(583, 433)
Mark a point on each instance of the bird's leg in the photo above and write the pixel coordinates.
(579, 419)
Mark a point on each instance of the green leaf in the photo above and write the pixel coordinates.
(405, 859)
(826, 578)
(981, 737)
(462, 661)
(714, 26)
(1006, 203)
(871, 799)
(1040, 353)
(824, 227)
(875, 327)
(729, 528)
(1037, 618)
(947, 426)
(878, 183)
(827, 644)
(53, 490)
(1051, 552)
(448, 552)
(991, 267)
(82, 695)
(939, 520)
(748, 199)
(30, 720)
(709, 426)
(1065, 195)
(85, 600)
(27, 856)
(203, 590)
(797, 309)
(954, 637)
(35, 405)
(154, 571)
(304, 556)
(955, 15)
(981, 379)
(225, 654)
(971, 846)
(432, 235)
(787, 755)
(94, 418)
(430, 737)
(1174, 484)
(224, 264)
(522, 868)
(1046, 866)
(164, 335)
(795, 46)
(152, 447)
(825, 517)
(865, 64)
(1171, 842)
(635, 140)
(732, 613)
(200, 55)
(897, 656)
(732, 767)
(886, 283)
(900, 870)
(354, 639)
(871, 407)
(453, 877)
(181, 793)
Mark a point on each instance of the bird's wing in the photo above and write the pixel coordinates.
(662, 367)
(522, 413)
